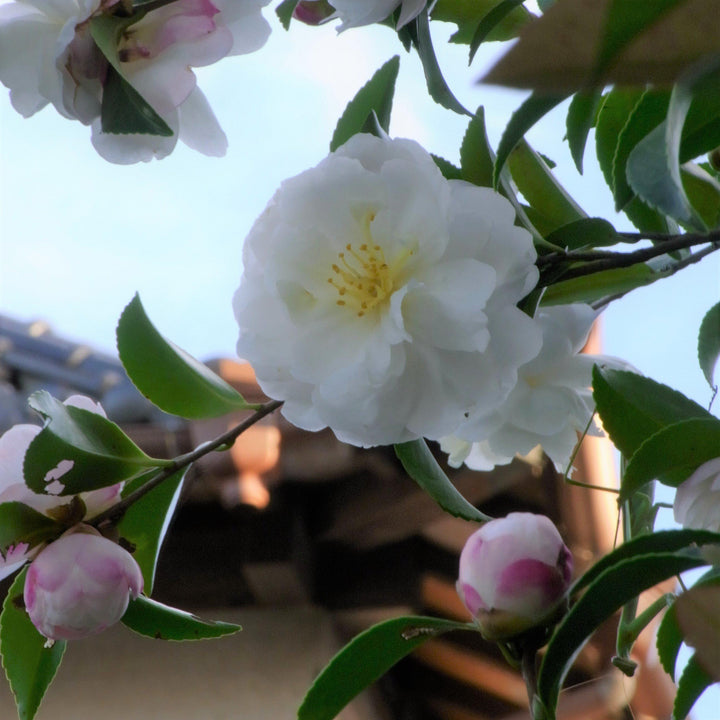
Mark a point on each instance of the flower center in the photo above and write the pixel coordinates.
(362, 276)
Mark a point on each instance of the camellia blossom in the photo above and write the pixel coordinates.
(356, 13)
(47, 55)
(697, 500)
(514, 574)
(80, 585)
(550, 404)
(13, 446)
(379, 299)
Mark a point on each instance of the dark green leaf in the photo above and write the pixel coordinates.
(29, 665)
(669, 641)
(709, 343)
(365, 659)
(649, 111)
(633, 407)
(449, 171)
(490, 22)
(585, 233)
(284, 11)
(436, 85)
(170, 378)
(612, 589)
(672, 454)
(467, 14)
(153, 619)
(422, 467)
(476, 156)
(662, 541)
(580, 118)
(146, 521)
(692, 684)
(123, 110)
(703, 193)
(701, 133)
(534, 108)
(22, 524)
(96, 451)
(376, 95)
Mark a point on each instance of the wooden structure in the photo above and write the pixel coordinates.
(295, 530)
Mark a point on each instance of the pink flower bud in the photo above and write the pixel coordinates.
(80, 585)
(514, 574)
(313, 12)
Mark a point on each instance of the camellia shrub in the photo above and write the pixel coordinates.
(395, 297)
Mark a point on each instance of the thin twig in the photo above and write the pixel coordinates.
(116, 511)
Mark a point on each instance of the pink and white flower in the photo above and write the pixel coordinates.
(80, 585)
(697, 500)
(379, 299)
(356, 13)
(47, 55)
(514, 574)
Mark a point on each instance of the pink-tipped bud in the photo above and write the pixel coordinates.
(313, 12)
(80, 585)
(514, 575)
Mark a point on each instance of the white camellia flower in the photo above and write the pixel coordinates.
(550, 404)
(379, 299)
(697, 501)
(356, 13)
(47, 55)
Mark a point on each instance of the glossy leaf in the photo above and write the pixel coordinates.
(672, 454)
(161, 622)
(584, 234)
(580, 119)
(669, 640)
(468, 14)
(490, 23)
(422, 467)
(29, 665)
(535, 107)
(436, 84)
(376, 95)
(22, 524)
(123, 109)
(170, 378)
(579, 44)
(79, 450)
(366, 658)
(709, 343)
(662, 541)
(633, 407)
(697, 615)
(604, 596)
(692, 684)
(146, 522)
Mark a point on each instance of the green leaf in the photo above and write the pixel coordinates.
(672, 454)
(692, 684)
(584, 233)
(580, 118)
(669, 641)
(284, 11)
(123, 109)
(449, 171)
(146, 521)
(20, 523)
(662, 541)
(703, 193)
(476, 156)
(422, 467)
(436, 85)
(170, 378)
(469, 14)
(709, 344)
(155, 620)
(612, 589)
(633, 407)
(366, 658)
(489, 23)
(95, 452)
(376, 95)
(29, 665)
(534, 108)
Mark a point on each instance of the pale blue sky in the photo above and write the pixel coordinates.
(78, 236)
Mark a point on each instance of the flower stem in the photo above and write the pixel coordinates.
(114, 513)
